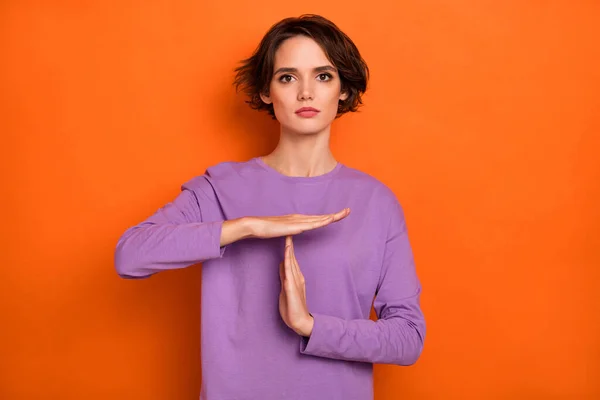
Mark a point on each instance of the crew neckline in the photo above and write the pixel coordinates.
(298, 179)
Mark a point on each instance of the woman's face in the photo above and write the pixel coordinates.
(304, 79)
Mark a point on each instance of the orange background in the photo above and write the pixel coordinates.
(483, 117)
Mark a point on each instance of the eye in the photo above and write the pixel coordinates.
(325, 77)
(285, 78)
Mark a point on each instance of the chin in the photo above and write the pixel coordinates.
(304, 129)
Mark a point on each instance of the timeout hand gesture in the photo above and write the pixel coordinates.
(292, 298)
(266, 227)
(292, 224)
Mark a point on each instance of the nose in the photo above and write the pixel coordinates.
(305, 92)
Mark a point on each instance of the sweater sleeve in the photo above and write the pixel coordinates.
(175, 236)
(398, 335)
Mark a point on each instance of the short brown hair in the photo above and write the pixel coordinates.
(255, 73)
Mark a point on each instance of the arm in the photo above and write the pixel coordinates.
(175, 236)
(397, 336)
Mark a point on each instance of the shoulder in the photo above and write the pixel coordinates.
(231, 170)
(381, 193)
(224, 172)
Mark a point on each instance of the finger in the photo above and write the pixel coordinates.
(341, 214)
(324, 220)
(281, 273)
(284, 285)
(317, 224)
(308, 218)
(288, 267)
(288, 246)
(296, 271)
(294, 262)
(293, 266)
(313, 224)
(294, 259)
(298, 277)
(334, 217)
(311, 217)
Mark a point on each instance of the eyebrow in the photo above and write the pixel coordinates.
(317, 69)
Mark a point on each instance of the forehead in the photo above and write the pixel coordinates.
(300, 51)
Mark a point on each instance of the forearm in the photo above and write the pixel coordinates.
(236, 229)
(392, 341)
(152, 247)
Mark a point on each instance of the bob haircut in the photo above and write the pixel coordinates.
(255, 73)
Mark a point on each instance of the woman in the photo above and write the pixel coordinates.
(289, 274)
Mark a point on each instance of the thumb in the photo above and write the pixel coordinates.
(281, 272)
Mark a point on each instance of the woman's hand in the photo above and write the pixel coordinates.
(276, 226)
(292, 298)
(291, 224)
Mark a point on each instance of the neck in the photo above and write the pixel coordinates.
(302, 154)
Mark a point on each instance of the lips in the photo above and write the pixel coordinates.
(307, 112)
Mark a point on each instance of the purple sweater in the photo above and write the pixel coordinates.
(365, 259)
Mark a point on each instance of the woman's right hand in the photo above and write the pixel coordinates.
(276, 226)
(291, 224)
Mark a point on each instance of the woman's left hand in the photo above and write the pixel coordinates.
(292, 298)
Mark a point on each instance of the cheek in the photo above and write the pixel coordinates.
(281, 99)
(333, 100)
(334, 94)
(281, 105)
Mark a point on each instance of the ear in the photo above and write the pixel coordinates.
(343, 96)
(266, 98)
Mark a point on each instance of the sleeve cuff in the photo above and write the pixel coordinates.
(216, 251)
(316, 343)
